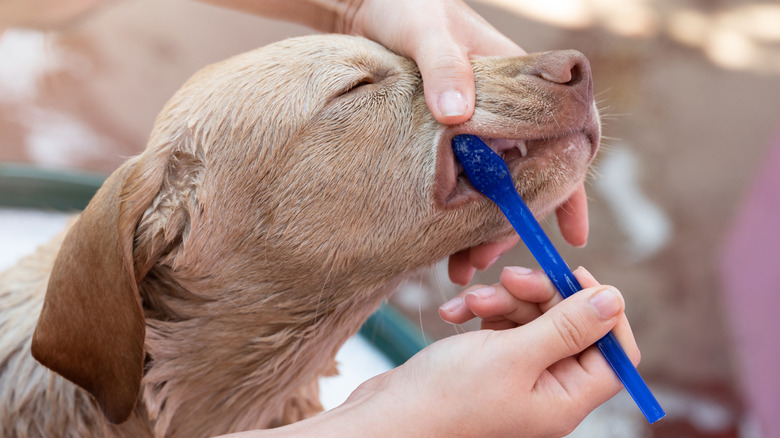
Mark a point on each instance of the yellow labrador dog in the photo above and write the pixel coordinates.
(283, 194)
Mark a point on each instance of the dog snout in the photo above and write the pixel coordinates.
(567, 67)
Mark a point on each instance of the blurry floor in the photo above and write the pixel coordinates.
(689, 91)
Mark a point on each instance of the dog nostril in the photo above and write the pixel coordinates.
(567, 68)
(575, 75)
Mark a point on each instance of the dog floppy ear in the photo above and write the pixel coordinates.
(91, 329)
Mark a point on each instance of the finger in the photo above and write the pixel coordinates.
(593, 361)
(528, 285)
(622, 329)
(443, 57)
(573, 325)
(460, 269)
(425, 36)
(585, 279)
(518, 304)
(441, 38)
(494, 304)
(485, 255)
(512, 302)
(572, 218)
(534, 286)
(482, 38)
(455, 311)
(463, 265)
(448, 80)
(625, 337)
(586, 386)
(589, 377)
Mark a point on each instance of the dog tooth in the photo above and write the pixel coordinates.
(520, 144)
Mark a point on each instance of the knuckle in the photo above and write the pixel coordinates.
(450, 60)
(449, 66)
(570, 330)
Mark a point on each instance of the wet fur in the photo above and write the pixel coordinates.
(217, 274)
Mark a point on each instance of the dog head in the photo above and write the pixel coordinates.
(309, 164)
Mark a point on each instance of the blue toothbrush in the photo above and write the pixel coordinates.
(490, 175)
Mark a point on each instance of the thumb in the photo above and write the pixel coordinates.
(448, 80)
(573, 325)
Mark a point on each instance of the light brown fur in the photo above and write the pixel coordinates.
(211, 281)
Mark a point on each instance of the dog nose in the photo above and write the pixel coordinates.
(565, 67)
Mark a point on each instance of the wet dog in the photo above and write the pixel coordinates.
(283, 194)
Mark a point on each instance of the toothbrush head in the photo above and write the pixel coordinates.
(486, 170)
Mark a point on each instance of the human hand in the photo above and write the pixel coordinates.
(441, 36)
(521, 296)
(539, 378)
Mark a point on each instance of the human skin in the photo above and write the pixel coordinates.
(530, 372)
(441, 36)
(543, 391)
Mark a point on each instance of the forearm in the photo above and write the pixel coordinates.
(371, 415)
(322, 15)
(44, 14)
(335, 424)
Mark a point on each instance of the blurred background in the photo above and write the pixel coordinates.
(684, 198)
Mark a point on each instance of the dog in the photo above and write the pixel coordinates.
(283, 195)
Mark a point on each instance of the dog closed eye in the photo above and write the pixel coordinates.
(283, 195)
(368, 80)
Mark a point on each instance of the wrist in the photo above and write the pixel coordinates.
(341, 15)
(389, 406)
(330, 16)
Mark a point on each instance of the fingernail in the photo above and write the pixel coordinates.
(519, 270)
(452, 103)
(452, 305)
(607, 303)
(483, 292)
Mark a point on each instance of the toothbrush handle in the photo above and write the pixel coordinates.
(543, 250)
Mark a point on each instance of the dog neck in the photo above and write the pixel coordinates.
(230, 360)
